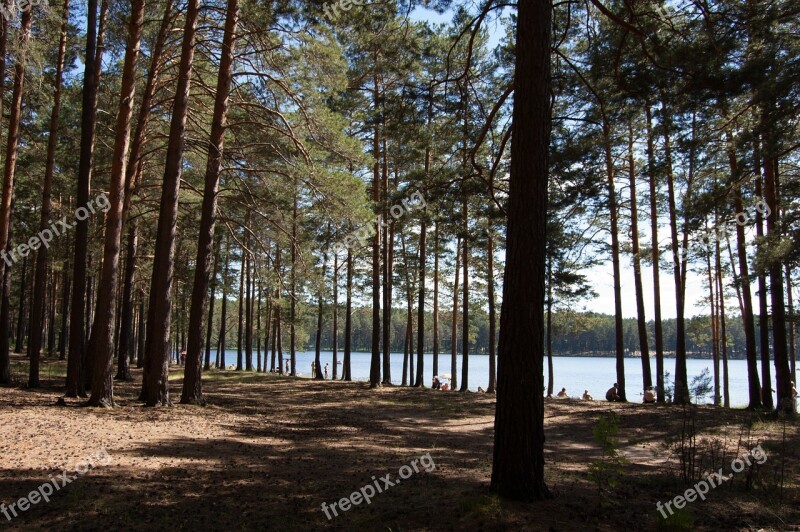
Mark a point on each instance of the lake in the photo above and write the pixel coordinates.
(596, 374)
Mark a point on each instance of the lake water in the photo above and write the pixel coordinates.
(576, 374)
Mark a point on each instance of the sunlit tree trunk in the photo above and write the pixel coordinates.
(158, 322)
(192, 382)
(103, 326)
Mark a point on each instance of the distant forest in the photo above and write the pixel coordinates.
(576, 334)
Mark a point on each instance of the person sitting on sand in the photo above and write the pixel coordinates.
(481, 390)
(612, 394)
(586, 396)
(436, 384)
(445, 386)
(649, 395)
(562, 394)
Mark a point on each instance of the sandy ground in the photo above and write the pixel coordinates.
(270, 450)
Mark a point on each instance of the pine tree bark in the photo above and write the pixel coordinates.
(375, 362)
(658, 330)
(388, 266)
(240, 317)
(40, 277)
(320, 305)
(348, 319)
(549, 339)
(644, 346)
(615, 260)
(518, 464)
(158, 323)
(681, 378)
(454, 325)
(192, 382)
(20, 329)
(75, 384)
(223, 314)
(492, 386)
(723, 335)
(423, 259)
(5, 307)
(783, 379)
(12, 143)
(763, 310)
(465, 302)
(436, 297)
(103, 327)
(212, 301)
(335, 338)
(748, 321)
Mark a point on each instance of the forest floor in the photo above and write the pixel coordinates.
(270, 450)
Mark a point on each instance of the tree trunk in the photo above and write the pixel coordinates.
(644, 346)
(14, 119)
(51, 317)
(763, 325)
(388, 266)
(103, 327)
(723, 336)
(348, 319)
(658, 330)
(335, 346)
(65, 299)
(420, 382)
(492, 386)
(320, 306)
(518, 464)
(223, 315)
(8, 178)
(375, 363)
(681, 378)
(240, 329)
(5, 307)
(293, 302)
(612, 207)
(454, 326)
(20, 330)
(712, 300)
(40, 279)
(436, 298)
(792, 344)
(126, 343)
(210, 323)
(549, 339)
(465, 302)
(748, 321)
(192, 382)
(158, 323)
(75, 385)
(248, 329)
(783, 379)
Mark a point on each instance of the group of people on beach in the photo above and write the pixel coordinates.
(612, 395)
